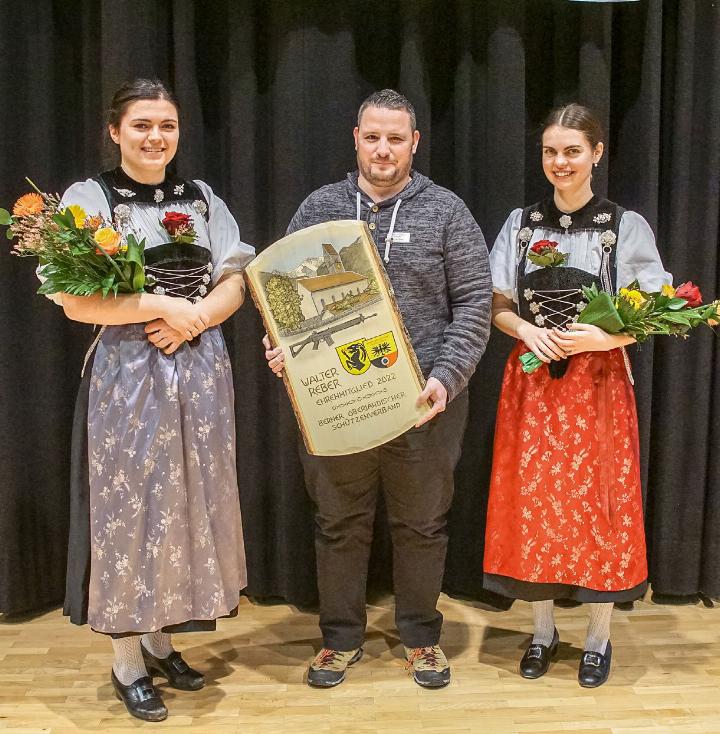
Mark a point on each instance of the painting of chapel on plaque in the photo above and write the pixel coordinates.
(350, 370)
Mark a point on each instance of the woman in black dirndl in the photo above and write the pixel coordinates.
(565, 513)
(156, 541)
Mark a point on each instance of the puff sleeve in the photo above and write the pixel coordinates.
(229, 253)
(503, 257)
(637, 255)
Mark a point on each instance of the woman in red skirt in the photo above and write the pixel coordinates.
(565, 514)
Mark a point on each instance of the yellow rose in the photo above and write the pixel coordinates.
(79, 215)
(108, 239)
(667, 290)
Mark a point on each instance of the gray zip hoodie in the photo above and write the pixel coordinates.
(437, 262)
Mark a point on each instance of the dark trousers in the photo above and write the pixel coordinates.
(415, 472)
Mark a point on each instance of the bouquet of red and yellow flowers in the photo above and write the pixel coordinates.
(78, 253)
(642, 314)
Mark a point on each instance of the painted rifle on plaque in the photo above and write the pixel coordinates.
(350, 370)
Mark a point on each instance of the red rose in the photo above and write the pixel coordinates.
(541, 245)
(176, 222)
(689, 292)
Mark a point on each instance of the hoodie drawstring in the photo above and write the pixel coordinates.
(389, 238)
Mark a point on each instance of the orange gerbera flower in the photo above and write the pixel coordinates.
(28, 205)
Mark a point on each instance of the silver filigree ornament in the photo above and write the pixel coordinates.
(580, 307)
(535, 307)
(122, 213)
(125, 192)
(197, 299)
(528, 294)
(536, 216)
(525, 234)
(199, 206)
(202, 290)
(608, 238)
(206, 279)
(179, 190)
(209, 267)
(539, 320)
(158, 290)
(602, 218)
(565, 221)
(158, 196)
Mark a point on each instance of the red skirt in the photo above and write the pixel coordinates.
(565, 515)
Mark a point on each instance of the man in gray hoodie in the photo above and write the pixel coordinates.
(437, 262)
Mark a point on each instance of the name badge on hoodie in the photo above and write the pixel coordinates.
(401, 237)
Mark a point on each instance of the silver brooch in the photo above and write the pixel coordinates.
(539, 320)
(158, 290)
(202, 290)
(525, 234)
(535, 307)
(565, 221)
(179, 189)
(158, 196)
(536, 216)
(528, 294)
(209, 267)
(580, 307)
(608, 238)
(199, 206)
(197, 299)
(206, 279)
(122, 213)
(125, 192)
(602, 218)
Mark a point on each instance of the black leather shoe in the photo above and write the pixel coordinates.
(141, 699)
(178, 673)
(536, 660)
(594, 668)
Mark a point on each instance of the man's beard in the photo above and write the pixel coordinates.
(386, 178)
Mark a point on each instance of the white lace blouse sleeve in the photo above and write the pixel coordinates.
(229, 253)
(503, 257)
(91, 198)
(637, 255)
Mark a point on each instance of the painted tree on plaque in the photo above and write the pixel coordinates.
(284, 302)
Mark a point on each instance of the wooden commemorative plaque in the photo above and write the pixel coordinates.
(350, 370)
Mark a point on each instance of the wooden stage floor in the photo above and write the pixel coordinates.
(54, 678)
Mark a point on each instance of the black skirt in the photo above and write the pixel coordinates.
(529, 591)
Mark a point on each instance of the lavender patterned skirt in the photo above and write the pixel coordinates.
(165, 544)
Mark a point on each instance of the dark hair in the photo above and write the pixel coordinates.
(576, 117)
(132, 92)
(389, 99)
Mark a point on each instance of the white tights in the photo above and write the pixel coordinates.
(598, 632)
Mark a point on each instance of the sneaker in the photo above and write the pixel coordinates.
(328, 668)
(430, 666)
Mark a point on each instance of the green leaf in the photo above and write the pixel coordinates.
(602, 313)
(675, 304)
(64, 219)
(138, 280)
(5, 217)
(676, 318)
(48, 288)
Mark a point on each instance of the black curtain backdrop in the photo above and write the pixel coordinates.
(269, 93)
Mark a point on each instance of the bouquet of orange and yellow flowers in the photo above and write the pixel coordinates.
(78, 253)
(642, 314)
